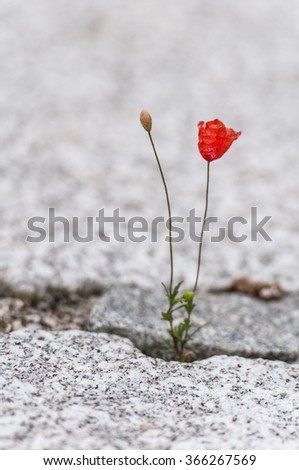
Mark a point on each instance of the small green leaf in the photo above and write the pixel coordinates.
(165, 316)
(176, 290)
(166, 290)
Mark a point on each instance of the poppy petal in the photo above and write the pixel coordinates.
(214, 139)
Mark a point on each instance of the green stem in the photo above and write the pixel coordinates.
(203, 227)
(169, 212)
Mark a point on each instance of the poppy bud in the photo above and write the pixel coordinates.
(188, 295)
(146, 120)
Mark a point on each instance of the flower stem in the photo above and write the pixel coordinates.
(203, 227)
(169, 211)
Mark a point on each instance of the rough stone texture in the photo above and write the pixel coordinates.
(235, 324)
(73, 81)
(75, 390)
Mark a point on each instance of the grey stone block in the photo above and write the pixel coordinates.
(235, 324)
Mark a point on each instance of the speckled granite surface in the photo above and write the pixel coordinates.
(73, 82)
(76, 390)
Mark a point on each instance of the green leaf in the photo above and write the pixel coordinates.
(165, 316)
(167, 292)
(176, 290)
(179, 330)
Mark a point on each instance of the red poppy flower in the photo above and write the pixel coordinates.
(214, 139)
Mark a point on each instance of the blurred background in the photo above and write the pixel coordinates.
(74, 78)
